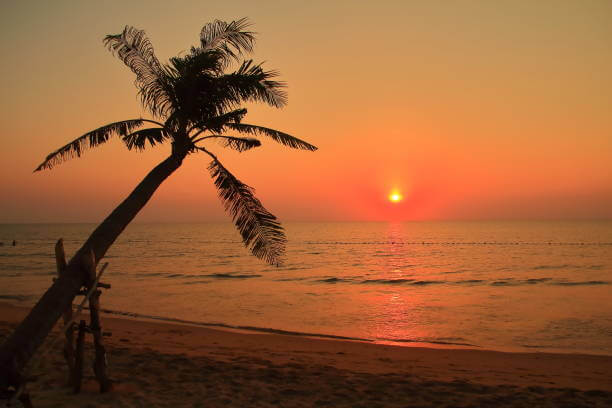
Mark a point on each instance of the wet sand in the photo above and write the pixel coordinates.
(158, 364)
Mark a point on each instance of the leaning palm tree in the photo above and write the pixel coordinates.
(193, 99)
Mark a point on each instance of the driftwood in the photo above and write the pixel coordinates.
(60, 260)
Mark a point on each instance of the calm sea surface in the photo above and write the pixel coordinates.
(516, 286)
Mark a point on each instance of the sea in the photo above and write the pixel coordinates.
(508, 286)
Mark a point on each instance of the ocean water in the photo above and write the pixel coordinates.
(512, 286)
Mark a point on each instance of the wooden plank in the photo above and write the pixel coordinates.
(60, 261)
(99, 366)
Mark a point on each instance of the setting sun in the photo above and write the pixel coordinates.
(395, 197)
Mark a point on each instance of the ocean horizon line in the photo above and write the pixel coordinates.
(432, 221)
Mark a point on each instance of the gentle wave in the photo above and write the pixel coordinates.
(423, 283)
(474, 282)
(334, 280)
(537, 280)
(582, 283)
(197, 282)
(20, 298)
(231, 276)
(540, 267)
(292, 279)
(230, 326)
(470, 281)
(388, 281)
(442, 341)
(191, 276)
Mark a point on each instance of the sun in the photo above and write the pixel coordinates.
(395, 196)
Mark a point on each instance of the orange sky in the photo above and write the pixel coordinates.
(473, 109)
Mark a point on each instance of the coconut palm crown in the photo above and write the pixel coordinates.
(195, 99)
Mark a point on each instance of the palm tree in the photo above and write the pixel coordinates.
(193, 100)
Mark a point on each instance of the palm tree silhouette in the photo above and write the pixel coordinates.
(193, 100)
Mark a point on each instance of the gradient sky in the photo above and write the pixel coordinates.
(472, 109)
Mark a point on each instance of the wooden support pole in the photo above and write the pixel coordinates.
(25, 400)
(99, 366)
(23, 396)
(80, 350)
(60, 261)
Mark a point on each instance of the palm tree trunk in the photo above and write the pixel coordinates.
(29, 335)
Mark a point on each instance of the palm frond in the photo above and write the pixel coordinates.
(91, 139)
(251, 83)
(239, 144)
(216, 123)
(135, 50)
(230, 39)
(137, 140)
(260, 230)
(280, 137)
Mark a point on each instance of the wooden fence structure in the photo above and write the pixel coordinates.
(74, 353)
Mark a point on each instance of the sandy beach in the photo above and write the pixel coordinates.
(161, 364)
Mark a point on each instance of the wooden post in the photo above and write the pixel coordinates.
(25, 400)
(99, 366)
(80, 349)
(60, 260)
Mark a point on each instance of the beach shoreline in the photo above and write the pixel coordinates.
(171, 364)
